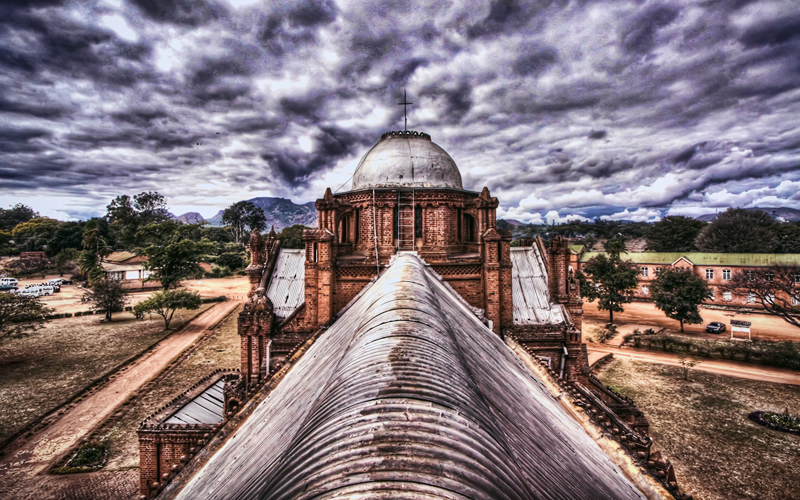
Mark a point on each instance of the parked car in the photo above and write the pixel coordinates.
(28, 292)
(715, 327)
(41, 289)
(8, 282)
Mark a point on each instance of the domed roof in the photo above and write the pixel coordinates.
(409, 159)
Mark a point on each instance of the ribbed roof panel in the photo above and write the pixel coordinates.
(409, 395)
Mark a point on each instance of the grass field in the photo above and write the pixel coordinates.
(219, 350)
(44, 370)
(702, 427)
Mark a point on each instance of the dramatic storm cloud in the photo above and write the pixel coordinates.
(564, 109)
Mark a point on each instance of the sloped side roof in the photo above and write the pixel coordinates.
(409, 395)
(529, 289)
(206, 408)
(287, 286)
(708, 259)
(119, 257)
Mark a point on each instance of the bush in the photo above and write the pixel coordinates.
(221, 298)
(129, 308)
(218, 272)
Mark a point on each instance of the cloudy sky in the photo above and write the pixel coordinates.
(625, 109)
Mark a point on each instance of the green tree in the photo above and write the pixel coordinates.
(107, 295)
(776, 288)
(34, 234)
(166, 302)
(95, 247)
(674, 233)
(126, 215)
(68, 235)
(687, 363)
(612, 279)
(66, 259)
(292, 237)
(19, 213)
(5, 237)
(678, 293)
(174, 259)
(231, 260)
(787, 238)
(739, 231)
(20, 315)
(242, 216)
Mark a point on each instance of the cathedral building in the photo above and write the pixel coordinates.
(375, 361)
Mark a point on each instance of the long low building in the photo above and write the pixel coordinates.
(716, 268)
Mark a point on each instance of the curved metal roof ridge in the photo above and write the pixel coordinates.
(419, 402)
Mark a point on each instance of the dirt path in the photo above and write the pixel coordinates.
(645, 314)
(26, 458)
(718, 366)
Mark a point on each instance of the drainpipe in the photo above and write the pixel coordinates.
(563, 359)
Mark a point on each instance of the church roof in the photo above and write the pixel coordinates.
(406, 159)
(409, 395)
(530, 292)
(287, 285)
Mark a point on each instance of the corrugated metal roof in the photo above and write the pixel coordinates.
(206, 408)
(576, 248)
(121, 267)
(529, 289)
(287, 285)
(409, 395)
(708, 259)
(117, 257)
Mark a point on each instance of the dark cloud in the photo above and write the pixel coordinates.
(773, 32)
(188, 12)
(640, 35)
(701, 97)
(597, 134)
(331, 144)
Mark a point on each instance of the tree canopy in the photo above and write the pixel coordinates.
(20, 314)
(165, 303)
(292, 237)
(107, 295)
(173, 257)
(243, 216)
(678, 294)
(126, 215)
(612, 279)
(739, 231)
(11, 217)
(776, 288)
(34, 234)
(674, 233)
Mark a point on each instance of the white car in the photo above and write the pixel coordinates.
(41, 289)
(28, 292)
(8, 282)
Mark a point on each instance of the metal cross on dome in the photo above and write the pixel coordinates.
(405, 104)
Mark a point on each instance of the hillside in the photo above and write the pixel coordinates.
(782, 213)
(279, 212)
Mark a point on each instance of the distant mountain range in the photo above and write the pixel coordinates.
(279, 212)
(783, 213)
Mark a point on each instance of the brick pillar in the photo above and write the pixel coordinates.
(492, 278)
(148, 464)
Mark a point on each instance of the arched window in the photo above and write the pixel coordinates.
(418, 222)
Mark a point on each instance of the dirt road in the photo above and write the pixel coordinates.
(721, 367)
(765, 327)
(68, 300)
(27, 458)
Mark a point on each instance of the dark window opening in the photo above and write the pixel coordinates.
(395, 223)
(470, 228)
(418, 222)
(459, 222)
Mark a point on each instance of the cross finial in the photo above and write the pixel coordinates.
(405, 104)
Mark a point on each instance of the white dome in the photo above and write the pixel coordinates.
(407, 159)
